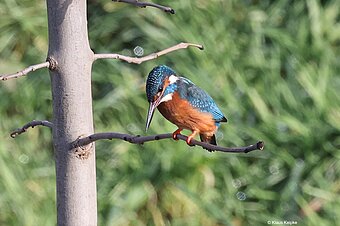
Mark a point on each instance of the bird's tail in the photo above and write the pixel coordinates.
(208, 139)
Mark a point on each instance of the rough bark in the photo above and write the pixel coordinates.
(72, 111)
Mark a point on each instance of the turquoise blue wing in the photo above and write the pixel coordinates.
(199, 99)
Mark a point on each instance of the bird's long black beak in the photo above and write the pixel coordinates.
(151, 111)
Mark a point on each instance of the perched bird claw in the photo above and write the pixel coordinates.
(174, 134)
(189, 141)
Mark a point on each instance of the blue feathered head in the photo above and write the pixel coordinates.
(155, 85)
(155, 80)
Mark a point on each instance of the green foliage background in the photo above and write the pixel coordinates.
(273, 67)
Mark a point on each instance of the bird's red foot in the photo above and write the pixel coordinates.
(188, 140)
(174, 134)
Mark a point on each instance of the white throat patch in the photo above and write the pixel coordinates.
(173, 79)
(166, 98)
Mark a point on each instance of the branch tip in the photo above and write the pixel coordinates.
(145, 4)
(32, 124)
(260, 145)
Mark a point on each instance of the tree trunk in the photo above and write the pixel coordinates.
(72, 111)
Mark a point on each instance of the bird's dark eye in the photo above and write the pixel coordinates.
(160, 89)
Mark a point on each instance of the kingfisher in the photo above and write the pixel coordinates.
(183, 103)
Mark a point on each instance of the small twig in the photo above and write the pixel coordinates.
(136, 60)
(142, 139)
(145, 4)
(25, 71)
(31, 124)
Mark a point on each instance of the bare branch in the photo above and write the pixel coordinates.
(31, 124)
(83, 141)
(145, 4)
(142, 139)
(136, 60)
(25, 71)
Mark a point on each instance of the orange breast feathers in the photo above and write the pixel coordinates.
(181, 113)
